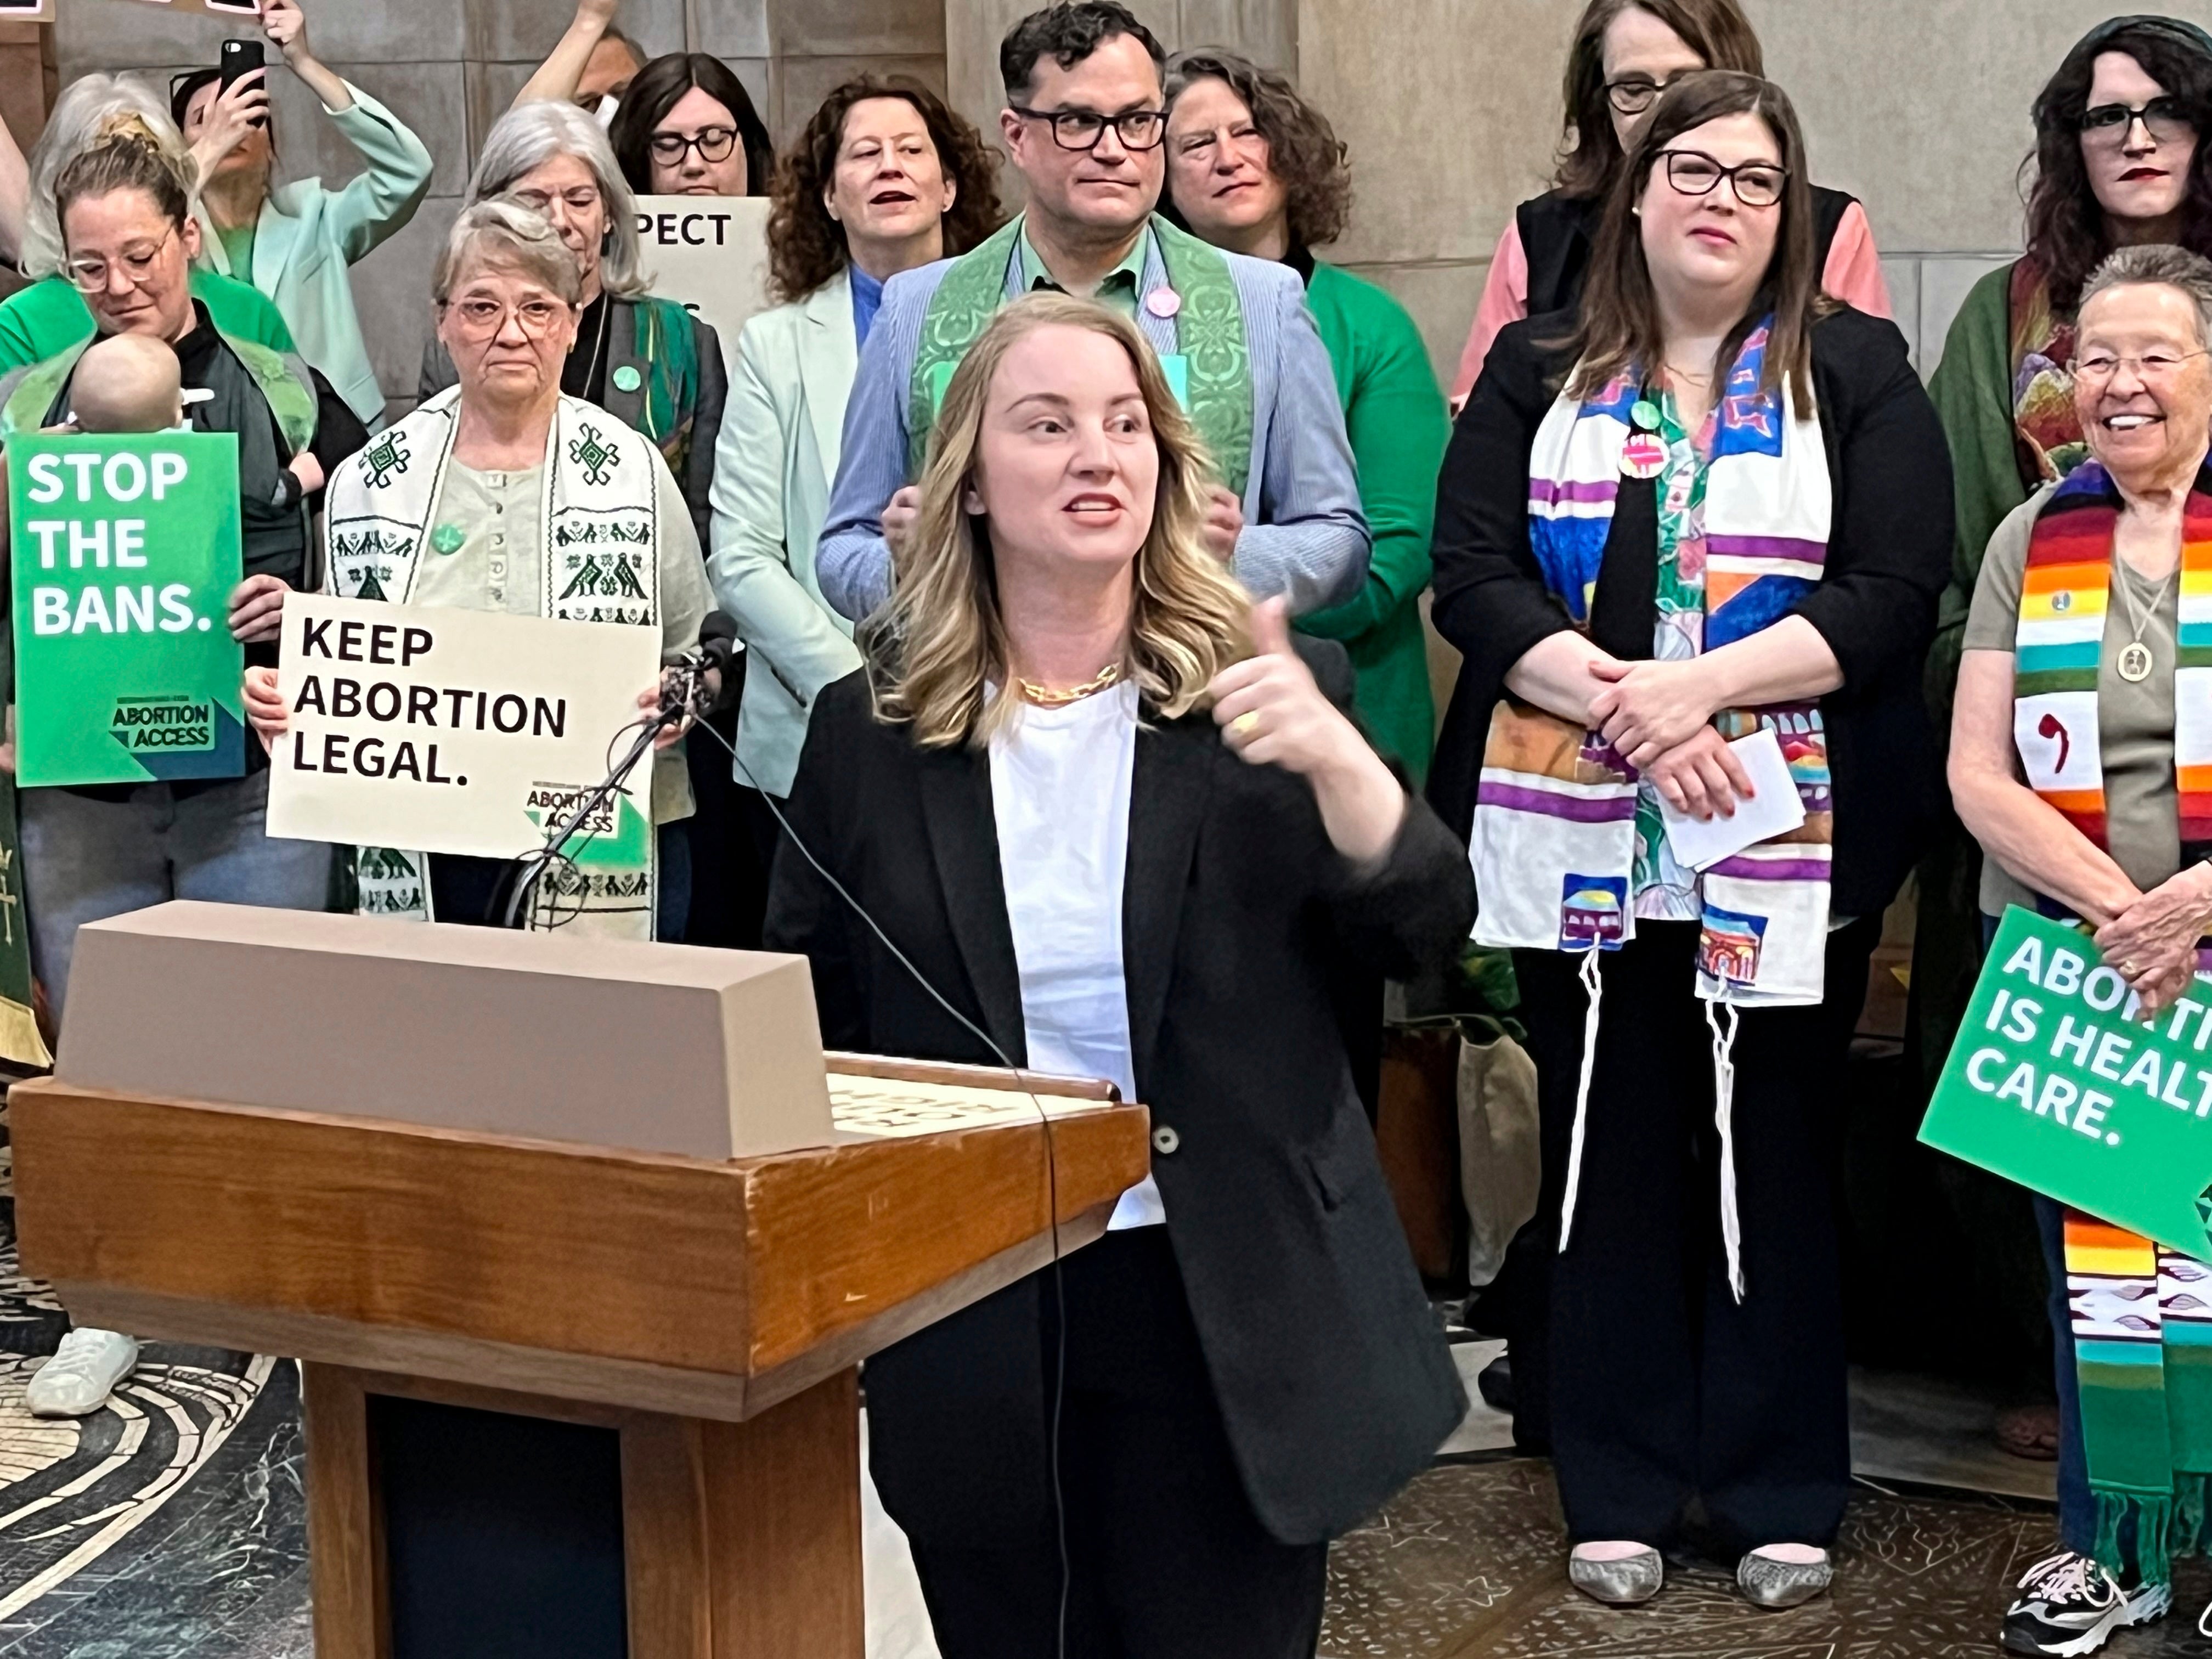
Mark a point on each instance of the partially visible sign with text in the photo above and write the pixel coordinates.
(710, 254)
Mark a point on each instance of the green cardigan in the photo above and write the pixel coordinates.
(49, 317)
(1972, 391)
(1394, 414)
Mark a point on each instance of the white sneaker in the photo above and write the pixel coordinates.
(83, 1372)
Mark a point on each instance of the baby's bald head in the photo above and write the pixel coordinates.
(127, 383)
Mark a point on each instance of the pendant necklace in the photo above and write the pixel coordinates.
(2134, 661)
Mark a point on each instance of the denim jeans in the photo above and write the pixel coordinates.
(2077, 1505)
(85, 860)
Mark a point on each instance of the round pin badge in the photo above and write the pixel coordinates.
(627, 379)
(449, 537)
(1643, 456)
(1164, 302)
(1644, 417)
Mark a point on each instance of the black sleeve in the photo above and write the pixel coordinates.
(1889, 541)
(339, 433)
(806, 916)
(1490, 598)
(698, 479)
(1410, 914)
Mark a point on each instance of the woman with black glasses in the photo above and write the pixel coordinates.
(1626, 54)
(686, 128)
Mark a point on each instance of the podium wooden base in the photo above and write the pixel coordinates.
(738, 1540)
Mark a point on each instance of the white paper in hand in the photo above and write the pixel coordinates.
(1774, 808)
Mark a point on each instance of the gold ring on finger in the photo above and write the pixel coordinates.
(1243, 726)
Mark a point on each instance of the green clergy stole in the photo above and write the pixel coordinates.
(1209, 337)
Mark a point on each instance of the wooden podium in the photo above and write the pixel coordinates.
(561, 1400)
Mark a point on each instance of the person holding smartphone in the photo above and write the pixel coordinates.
(295, 241)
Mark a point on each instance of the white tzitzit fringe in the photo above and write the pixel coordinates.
(1594, 986)
(1724, 1030)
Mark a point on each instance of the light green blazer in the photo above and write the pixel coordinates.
(773, 466)
(308, 234)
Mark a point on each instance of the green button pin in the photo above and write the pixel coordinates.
(449, 537)
(1644, 415)
(627, 379)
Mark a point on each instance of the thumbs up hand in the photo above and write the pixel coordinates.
(1272, 714)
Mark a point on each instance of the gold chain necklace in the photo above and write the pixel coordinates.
(1045, 697)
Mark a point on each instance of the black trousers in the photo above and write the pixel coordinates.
(1661, 1390)
(1166, 1559)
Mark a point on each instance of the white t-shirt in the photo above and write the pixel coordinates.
(1060, 793)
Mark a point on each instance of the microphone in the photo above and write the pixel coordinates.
(717, 649)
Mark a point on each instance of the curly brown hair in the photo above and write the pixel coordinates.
(806, 246)
(1303, 149)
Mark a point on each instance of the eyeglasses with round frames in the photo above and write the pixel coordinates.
(88, 275)
(2108, 125)
(713, 144)
(1082, 128)
(482, 319)
(1694, 173)
(1634, 94)
(2099, 368)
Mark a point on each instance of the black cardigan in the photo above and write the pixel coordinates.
(1335, 1381)
(1889, 548)
(1558, 232)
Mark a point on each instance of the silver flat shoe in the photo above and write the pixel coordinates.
(1776, 1585)
(1627, 1582)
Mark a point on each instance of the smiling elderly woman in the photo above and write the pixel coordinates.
(504, 495)
(2074, 778)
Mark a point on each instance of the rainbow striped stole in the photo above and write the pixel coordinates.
(2059, 643)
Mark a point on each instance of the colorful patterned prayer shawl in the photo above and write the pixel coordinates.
(1555, 838)
(2141, 1315)
(1209, 325)
(599, 563)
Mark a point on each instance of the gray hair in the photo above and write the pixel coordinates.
(530, 135)
(87, 105)
(507, 233)
(2157, 264)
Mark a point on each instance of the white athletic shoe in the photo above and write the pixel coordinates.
(83, 1372)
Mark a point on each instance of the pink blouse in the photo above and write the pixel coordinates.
(1853, 275)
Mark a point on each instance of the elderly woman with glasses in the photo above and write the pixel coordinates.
(2075, 780)
(646, 361)
(500, 511)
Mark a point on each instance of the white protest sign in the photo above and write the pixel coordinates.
(710, 254)
(442, 730)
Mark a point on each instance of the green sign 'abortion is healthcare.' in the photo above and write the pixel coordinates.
(124, 551)
(2057, 1082)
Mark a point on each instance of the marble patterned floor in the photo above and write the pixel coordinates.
(171, 1525)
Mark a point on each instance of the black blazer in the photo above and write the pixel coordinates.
(1334, 1378)
(1558, 232)
(1888, 557)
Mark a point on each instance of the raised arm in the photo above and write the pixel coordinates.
(556, 77)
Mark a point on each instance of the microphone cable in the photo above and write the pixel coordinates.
(1051, 1159)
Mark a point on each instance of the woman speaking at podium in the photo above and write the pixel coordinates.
(1108, 811)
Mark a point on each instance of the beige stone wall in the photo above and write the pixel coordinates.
(1918, 106)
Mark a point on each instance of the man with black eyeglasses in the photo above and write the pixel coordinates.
(1084, 124)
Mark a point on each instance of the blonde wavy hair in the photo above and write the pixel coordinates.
(936, 647)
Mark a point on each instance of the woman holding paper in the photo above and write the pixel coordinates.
(2075, 757)
(505, 494)
(1157, 839)
(1719, 510)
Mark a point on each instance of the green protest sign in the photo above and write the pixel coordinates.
(2056, 1082)
(125, 551)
